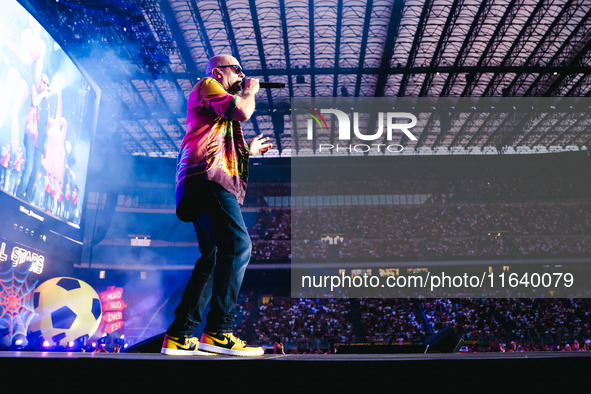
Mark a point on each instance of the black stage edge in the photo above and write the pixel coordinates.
(435, 365)
(460, 372)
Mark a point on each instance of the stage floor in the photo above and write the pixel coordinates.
(343, 371)
(407, 357)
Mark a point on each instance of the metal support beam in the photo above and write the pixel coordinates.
(177, 35)
(288, 70)
(427, 7)
(312, 48)
(259, 41)
(393, 25)
(523, 37)
(335, 84)
(450, 21)
(201, 28)
(502, 26)
(562, 57)
(360, 69)
(473, 32)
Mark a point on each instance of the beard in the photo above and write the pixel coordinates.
(235, 88)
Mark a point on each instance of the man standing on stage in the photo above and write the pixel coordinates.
(35, 135)
(212, 173)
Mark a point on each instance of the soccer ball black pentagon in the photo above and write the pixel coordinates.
(65, 310)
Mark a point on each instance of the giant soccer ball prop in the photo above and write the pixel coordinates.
(66, 309)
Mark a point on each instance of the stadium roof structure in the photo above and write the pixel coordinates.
(146, 55)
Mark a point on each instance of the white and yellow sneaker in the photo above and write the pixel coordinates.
(227, 343)
(175, 346)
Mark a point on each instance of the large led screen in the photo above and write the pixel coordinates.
(44, 136)
(47, 119)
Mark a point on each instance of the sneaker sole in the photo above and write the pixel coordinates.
(180, 352)
(220, 350)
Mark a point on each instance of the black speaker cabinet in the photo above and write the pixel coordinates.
(445, 340)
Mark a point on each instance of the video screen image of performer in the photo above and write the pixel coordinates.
(211, 181)
(44, 142)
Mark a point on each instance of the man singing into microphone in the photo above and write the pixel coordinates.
(212, 173)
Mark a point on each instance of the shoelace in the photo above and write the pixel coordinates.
(237, 340)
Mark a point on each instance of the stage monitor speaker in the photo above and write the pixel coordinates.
(150, 345)
(446, 340)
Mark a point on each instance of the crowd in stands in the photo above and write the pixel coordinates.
(485, 325)
(483, 207)
(515, 207)
(302, 320)
(425, 231)
(466, 190)
(449, 220)
(534, 324)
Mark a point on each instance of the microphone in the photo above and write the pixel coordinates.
(269, 85)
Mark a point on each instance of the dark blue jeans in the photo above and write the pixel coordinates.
(31, 168)
(225, 248)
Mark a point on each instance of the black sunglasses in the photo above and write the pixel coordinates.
(237, 68)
